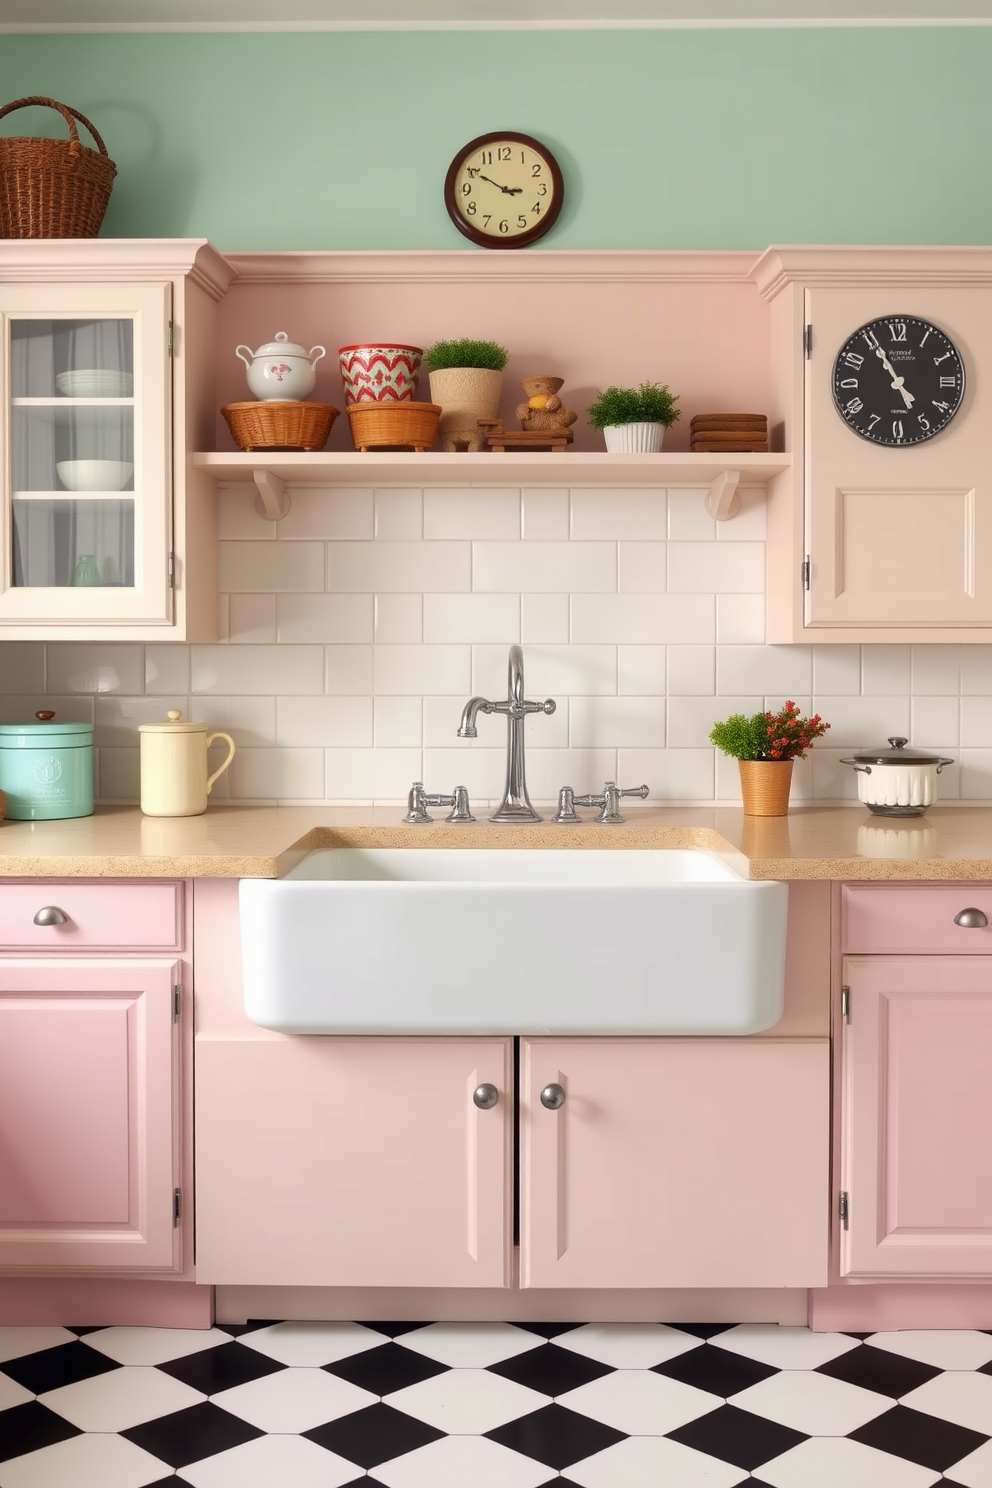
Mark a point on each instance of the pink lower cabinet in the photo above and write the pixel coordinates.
(916, 1163)
(674, 1163)
(89, 1152)
(354, 1162)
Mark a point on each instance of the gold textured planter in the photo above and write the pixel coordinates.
(765, 786)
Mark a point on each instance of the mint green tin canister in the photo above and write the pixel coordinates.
(46, 769)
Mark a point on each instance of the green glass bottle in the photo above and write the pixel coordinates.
(86, 574)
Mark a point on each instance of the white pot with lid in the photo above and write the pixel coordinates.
(174, 779)
(897, 781)
(281, 371)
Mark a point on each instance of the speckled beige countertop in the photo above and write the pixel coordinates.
(264, 841)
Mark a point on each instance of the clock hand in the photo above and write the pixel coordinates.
(897, 382)
(507, 190)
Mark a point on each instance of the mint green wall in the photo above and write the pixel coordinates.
(668, 139)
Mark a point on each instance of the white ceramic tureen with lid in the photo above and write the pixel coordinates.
(281, 371)
(897, 781)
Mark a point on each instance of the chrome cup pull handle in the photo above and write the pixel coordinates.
(971, 919)
(51, 915)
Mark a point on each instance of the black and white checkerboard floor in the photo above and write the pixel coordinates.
(493, 1405)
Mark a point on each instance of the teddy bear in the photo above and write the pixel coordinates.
(543, 412)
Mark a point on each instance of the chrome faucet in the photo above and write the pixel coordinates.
(515, 805)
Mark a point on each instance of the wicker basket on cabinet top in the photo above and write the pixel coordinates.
(53, 188)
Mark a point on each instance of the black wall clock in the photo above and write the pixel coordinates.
(504, 190)
(898, 380)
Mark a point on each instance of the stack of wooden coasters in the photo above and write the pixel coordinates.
(729, 433)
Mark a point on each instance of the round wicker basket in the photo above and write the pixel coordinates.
(280, 426)
(53, 188)
(393, 425)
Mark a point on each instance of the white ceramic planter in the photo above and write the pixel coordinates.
(634, 439)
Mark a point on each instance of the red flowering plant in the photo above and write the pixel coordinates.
(784, 735)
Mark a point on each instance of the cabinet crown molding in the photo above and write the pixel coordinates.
(474, 266)
(33, 260)
(838, 266)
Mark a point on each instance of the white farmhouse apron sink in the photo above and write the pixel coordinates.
(470, 941)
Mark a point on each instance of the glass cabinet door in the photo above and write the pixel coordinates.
(87, 513)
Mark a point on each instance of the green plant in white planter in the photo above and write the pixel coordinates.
(466, 379)
(634, 420)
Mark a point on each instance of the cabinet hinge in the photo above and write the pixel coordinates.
(808, 341)
(806, 572)
(843, 1211)
(172, 338)
(845, 1004)
(176, 1003)
(172, 570)
(177, 1206)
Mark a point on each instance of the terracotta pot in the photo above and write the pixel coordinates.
(765, 786)
(466, 394)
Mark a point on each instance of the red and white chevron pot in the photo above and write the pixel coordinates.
(380, 374)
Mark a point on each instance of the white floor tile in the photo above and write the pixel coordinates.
(457, 1461)
(309, 1345)
(628, 1345)
(92, 1461)
(467, 1401)
(121, 1399)
(813, 1403)
(270, 1462)
(653, 1462)
(965, 1399)
(975, 1470)
(294, 1400)
(640, 1402)
(17, 1341)
(961, 1348)
(784, 1348)
(834, 1462)
(154, 1345)
(471, 1345)
(11, 1393)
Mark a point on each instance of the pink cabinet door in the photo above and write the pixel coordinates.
(88, 1157)
(353, 1162)
(674, 1163)
(917, 1116)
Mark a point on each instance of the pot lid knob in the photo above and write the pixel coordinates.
(44, 715)
(897, 742)
(174, 715)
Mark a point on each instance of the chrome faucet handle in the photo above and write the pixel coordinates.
(566, 807)
(610, 814)
(416, 805)
(418, 802)
(461, 811)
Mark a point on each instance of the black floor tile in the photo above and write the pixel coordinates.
(395, 1330)
(715, 1369)
(93, 1328)
(190, 1435)
(918, 1438)
(169, 1482)
(29, 1427)
(237, 1330)
(548, 1330)
(737, 1436)
(551, 1370)
(372, 1436)
(51, 1368)
(385, 1369)
(221, 1368)
(703, 1330)
(879, 1370)
(363, 1482)
(555, 1436)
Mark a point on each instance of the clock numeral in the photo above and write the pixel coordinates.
(470, 209)
(854, 405)
(924, 423)
(944, 407)
(466, 189)
(504, 226)
(485, 157)
(542, 190)
(875, 419)
(504, 152)
(925, 335)
(948, 382)
(897, 429)
(536, 209)
(535, 170)
(521, 222)
(487, 217)
(849, 382)
(937, 360)
(852, 359)
(897, 329)
(870, 338)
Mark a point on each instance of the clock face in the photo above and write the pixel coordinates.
(898, 380)
(503, 190)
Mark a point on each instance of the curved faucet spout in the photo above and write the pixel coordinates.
(515, 806)
(470, 712)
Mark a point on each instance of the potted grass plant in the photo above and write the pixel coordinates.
(466, 378)
(634, 420)
(765, 746)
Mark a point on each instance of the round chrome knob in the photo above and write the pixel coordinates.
(51, 915)
(971, 919)
(485, 1097)
(552, 1097)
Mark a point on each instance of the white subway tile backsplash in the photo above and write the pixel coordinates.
(252, 619)
(544, 514)
(671, 775)
(348, 670)
(223, 617)
(714, 568)
(166, 669)
(549, 671)
(885, 670)
(643, 568)
(863, 722)
(263, 568)
(118, 774)
(544, 618)
(740, 619)
(93, 667)
(976, 669)
(332, 512)
(688, 519)
(976, 775)
(691, 671)
(585, 770)
(633, 618)
(832, 781)
(472, 617)
(617, 723)
(238, 517)
(416, 670)
(22, 666)
(399, 513)
(373, 774)
(543, 568)
(836, 670)
(399, 618)
(267, 671)
(641, 670)
(339, 618)
(442, 716)
(936, 670)
(251, 721)
(398, 722)
(976, 722)
(481, 770)
(936, 722)
(277, 775)
(116, 719)
(636, 515)
(473, 512)
(749, 525)
(344, 721)
(691, 718)
(400, 567)
(764, 669)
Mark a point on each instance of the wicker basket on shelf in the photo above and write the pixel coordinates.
(393, 425)
(53, 188)
(280, 425)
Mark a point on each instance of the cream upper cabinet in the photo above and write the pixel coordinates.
(882, 529)
(106, 364)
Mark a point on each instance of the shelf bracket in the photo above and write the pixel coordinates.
(271, 497)
(722, 500)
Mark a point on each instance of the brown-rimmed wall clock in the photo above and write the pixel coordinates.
(504, 190)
